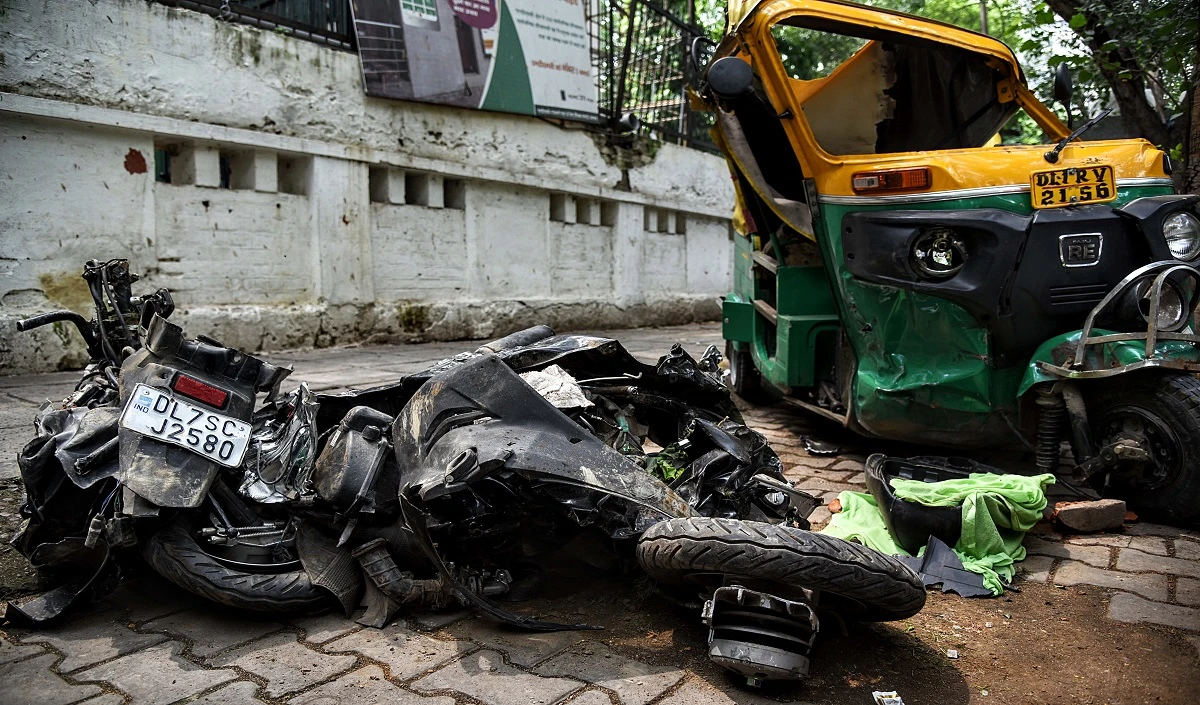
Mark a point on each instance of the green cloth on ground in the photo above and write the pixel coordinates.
(997, 511)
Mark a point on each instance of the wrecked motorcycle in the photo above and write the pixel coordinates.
(900, 272)
(445, 486)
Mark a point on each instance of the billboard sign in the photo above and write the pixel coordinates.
(517, 56)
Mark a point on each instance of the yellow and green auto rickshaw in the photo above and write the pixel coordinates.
(900, 272)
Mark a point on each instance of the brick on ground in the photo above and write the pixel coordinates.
(1148, 585)
(483, 675)
(635, 683)
(1125, 607)
(820, 516)
(1091, 516)
(285, 664)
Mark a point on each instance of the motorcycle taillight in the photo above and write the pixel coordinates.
(200, 391)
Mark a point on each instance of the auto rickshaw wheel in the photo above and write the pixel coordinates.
(744, 377)
(1161, 413)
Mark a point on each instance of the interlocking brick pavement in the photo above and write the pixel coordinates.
(152, 643)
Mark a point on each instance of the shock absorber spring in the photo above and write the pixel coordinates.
(1051, 419)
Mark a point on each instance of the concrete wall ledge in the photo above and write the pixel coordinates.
(269, 328)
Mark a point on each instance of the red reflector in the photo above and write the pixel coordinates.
(895, 180)
(200, 391)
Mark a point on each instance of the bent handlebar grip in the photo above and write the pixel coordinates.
(43, 319)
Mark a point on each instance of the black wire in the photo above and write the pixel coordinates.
(112, 299)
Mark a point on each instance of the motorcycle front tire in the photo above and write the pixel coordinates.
(854, 580)
(174, 554)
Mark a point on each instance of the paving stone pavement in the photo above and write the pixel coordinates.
(146, 644)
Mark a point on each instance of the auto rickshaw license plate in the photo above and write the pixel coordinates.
(1073, 185)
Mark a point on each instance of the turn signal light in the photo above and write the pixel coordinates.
(892, 181)
(195, 389)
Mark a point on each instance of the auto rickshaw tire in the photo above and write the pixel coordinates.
(174, 554)
(1175, 399)
(744, 377)
(683, 551)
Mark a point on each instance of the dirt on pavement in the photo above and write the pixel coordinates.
(1044, 644)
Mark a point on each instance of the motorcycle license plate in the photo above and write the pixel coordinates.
(1073, 185)
(159, 414)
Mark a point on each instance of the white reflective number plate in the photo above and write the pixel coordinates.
(158, 414)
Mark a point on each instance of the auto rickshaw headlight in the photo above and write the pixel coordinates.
(938, 254)
(1172, 313)
(1182, 232)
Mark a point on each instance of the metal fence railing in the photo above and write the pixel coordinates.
(639, 54)
(323, 21)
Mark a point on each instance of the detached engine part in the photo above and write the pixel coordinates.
(761, 636)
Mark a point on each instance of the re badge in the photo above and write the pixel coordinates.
(1080, 250)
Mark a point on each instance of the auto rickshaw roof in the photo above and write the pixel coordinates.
(838, 16)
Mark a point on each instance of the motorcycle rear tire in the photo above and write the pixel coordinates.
(174, 554)
(856, 581)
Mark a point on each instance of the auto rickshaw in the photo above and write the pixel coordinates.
(898, 271)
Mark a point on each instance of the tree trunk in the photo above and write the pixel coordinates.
(1191, 143)
(1137, 113)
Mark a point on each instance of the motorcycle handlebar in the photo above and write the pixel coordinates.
(44, 319)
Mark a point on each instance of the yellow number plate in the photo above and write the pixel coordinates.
(1069, 186)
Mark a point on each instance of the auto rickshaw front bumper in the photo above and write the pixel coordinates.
(1093, 352)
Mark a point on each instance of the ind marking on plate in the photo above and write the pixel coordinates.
(158, 414)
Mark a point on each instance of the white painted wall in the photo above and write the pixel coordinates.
(350, 218)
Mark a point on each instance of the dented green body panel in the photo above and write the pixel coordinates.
(924, 367)
(1060, 350)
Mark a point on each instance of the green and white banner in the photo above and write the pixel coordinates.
(530, 57)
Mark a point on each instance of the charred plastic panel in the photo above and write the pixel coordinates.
(481, 417)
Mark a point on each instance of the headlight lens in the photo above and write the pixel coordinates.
(938, 254)
(1182, 232)
(1171, 313)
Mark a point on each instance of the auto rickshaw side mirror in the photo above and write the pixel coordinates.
(1064, 87)
(730, 77)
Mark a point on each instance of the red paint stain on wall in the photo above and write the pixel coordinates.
(135, 163)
